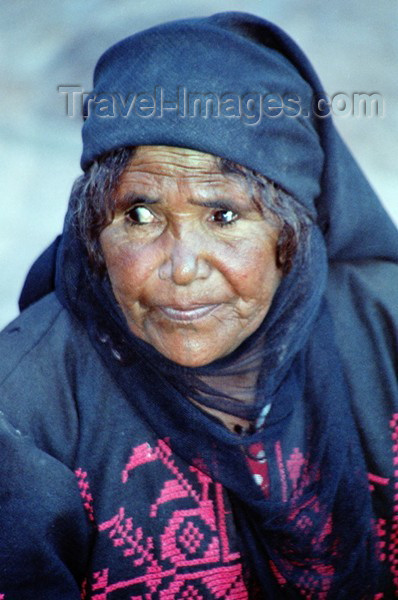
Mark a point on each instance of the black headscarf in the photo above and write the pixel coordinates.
(307, 530)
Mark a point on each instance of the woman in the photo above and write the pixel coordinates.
(205, 392)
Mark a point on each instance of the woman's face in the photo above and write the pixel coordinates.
(190, 257)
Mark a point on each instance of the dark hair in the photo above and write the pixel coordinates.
(93, 204)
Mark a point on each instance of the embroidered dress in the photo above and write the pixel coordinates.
(115, 484)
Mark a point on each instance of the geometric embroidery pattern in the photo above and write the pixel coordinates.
(85, 493)
(191, 537)
(393, 543)
(387, 530)
(295, 477)
(190, 558)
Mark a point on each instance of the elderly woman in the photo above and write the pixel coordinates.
(202, 379)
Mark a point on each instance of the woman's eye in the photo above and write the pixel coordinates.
(224, 217)
(140, 215)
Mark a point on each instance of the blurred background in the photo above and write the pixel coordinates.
(48, 43)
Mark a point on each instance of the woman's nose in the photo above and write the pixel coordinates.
(185, 263)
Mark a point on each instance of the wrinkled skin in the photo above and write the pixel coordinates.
(190, 256)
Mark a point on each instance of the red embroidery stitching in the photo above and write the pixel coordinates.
(83, 590)
(316, 580)
(381, 535)
(193, 558)
(387, 531)
(184, 541)
(282, 472)
(85, 492)
(376, 479)
(393, 545)
(278, 576)
(123, 535)
(226, 554)
(294, 466)
(225, 582)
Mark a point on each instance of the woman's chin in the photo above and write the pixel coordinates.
(189, 357)
(186, 344)
(189, 350)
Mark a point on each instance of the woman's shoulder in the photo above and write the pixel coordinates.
(38, 437)
(42, 357)
(363, 299)
(377, 276)
(41, 336)
(26, 331)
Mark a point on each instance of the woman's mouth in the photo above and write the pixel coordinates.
(190, 313)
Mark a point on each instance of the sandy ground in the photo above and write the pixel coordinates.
(44, 44)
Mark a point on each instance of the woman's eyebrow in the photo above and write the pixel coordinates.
(222, 204)
(131, 199)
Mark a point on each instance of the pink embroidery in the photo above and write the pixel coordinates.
(183, 540)
(83, 590)
(141, 455)
(85, 492)
(381, 525)
(376, 479)
(100, 582)
(129, 539)
(387, 530)
(192, 559)
(223, 582)
(316, 579)
(282, 472)
(309, 584)
(227, 556)
(393, 545)
(278, 576)
(381, 535)
(294, 466)
(176, 488)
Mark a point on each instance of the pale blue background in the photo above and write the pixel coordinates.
(43, 44)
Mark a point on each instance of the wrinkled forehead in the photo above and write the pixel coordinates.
(157, 172)
(211, 86)
(174, 162)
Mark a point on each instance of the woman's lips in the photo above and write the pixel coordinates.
(191, 313)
